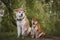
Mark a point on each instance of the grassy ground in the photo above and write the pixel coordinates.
(10, 36)
(7, 36)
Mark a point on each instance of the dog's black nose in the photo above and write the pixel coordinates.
(21, 14)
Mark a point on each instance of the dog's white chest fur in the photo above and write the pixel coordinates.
(21, 23)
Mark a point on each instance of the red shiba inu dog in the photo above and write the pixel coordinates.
(23, 27)
(37, 31)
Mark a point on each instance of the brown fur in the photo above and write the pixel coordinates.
(27, 23)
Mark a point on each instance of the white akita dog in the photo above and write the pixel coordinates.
(23, 27)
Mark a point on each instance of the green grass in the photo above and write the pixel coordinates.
(12, 36)
(7, 36)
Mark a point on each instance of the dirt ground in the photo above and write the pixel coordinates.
(46, 38)
(14, 37)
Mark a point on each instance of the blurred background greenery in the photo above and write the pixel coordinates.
(46, 11)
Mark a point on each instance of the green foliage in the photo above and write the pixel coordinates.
(7, 25)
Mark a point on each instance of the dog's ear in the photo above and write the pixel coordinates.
(24, 10)
(16, 10)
